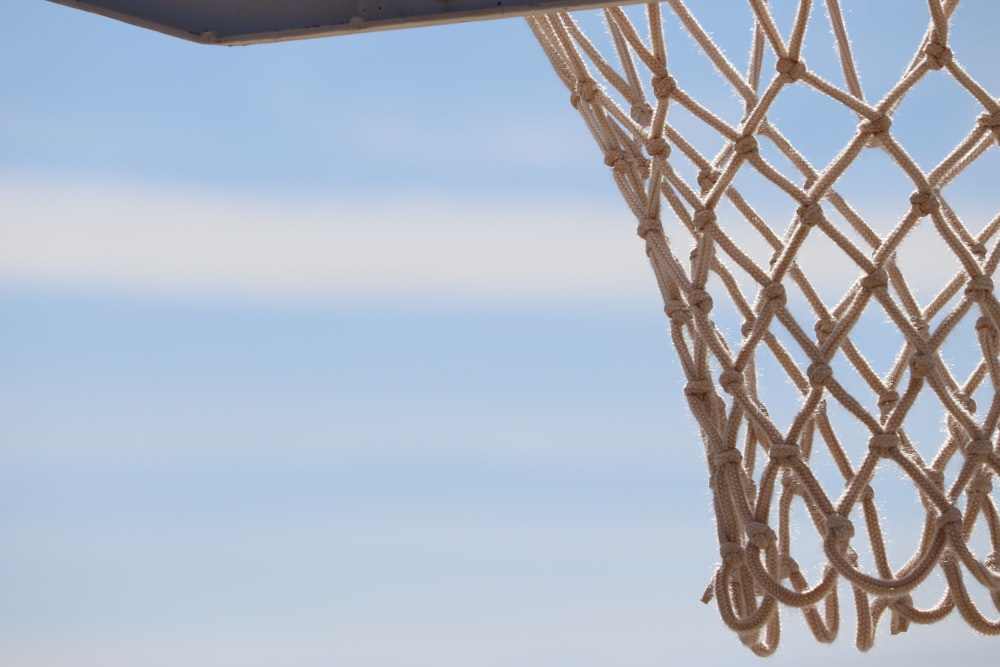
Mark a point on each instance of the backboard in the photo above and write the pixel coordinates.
(235, 22)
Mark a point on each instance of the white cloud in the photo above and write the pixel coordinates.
(185, 242)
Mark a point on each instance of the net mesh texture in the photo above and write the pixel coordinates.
(826, 264)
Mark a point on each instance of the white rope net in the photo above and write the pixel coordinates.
(811, 361)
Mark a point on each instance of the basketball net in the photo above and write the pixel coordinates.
(786, 473)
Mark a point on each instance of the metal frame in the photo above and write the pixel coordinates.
(236, 22)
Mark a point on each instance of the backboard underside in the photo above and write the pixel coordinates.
(234, 22)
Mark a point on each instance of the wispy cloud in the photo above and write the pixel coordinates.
(349, 246)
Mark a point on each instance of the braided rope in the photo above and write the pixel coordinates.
(748, 451)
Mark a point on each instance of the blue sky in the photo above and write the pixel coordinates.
(338, 352)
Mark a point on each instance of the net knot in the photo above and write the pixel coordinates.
(642, 114)
(791, 70)
(993, 561)
(787, 566)
(979, 448)
(991, 121)
(784, 454)
(884, 444)
(818, 373)
(649, 226)
(876, 126)
(938, 55)
(746, 145)
(811, 214)
(793, 483)
(658, 147)
(922, 364)
(732, 553)
(899, 622)
(924, 203)
(980, 484)
(839, 528)
(730, 380)
(775, 292)
(935, 476)
(948, 517)
(616, 158)
(747, 327)
(698, 388)
(664, 86)
(823, 329)
(877, 279)
(704, 220)
(887, 400)
(701, 300)
(868, 494)
(707, 177)
(677, 311)
(587, 89)
(760, 534)
(727, 456)
(979, 288)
